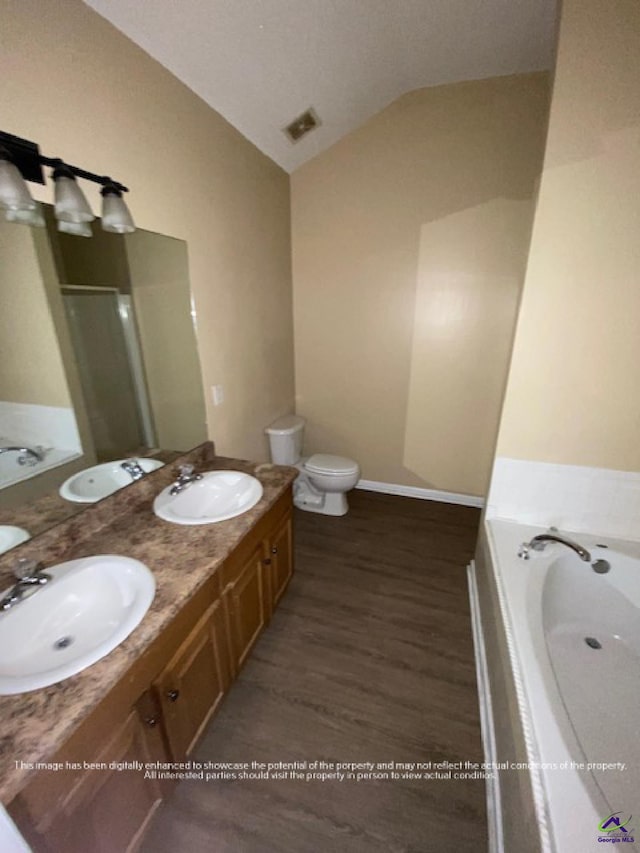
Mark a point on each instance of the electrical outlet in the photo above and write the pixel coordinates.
(217, 392)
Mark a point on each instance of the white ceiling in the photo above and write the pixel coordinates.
(260, 63)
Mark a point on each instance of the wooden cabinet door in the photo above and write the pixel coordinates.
(246, 604)
(106, 809)
(279, 558)
(193, 683)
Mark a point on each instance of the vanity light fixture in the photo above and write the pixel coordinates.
(115, 213)
(14, 192)
(78, 229)
(21, 161)
(34, 217)
(70, 202)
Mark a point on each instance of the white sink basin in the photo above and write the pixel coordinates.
(93, 484)
(88, 608)
(11, 536)
(219, 495)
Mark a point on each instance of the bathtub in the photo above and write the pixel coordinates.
(11, 471)
(573, 641)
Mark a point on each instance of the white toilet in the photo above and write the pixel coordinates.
(324, 479)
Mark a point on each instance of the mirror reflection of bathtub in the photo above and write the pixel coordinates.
(98, 357)
(561, 644)
(20, 460)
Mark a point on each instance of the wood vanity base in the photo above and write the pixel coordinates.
(157, 712)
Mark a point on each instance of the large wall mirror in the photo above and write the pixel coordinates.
(98, 361)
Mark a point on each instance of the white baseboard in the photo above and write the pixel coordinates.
(422, 494)
(494, 803)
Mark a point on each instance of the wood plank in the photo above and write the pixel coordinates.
(368, 657)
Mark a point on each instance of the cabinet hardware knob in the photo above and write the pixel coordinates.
(267, 562)
(274, 550)
(172, 695)
(151, 721)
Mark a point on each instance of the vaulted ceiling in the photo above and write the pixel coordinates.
(260, 63)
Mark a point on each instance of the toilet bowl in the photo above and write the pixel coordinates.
(324, 478)
(330, 477)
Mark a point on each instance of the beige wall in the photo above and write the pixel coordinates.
(409, 246)
(81, 90)
(573, 394)
(31, 368)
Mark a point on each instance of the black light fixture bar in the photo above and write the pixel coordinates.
(27, 157)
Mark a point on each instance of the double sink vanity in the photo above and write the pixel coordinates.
(147, 614)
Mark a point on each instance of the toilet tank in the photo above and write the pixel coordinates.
(285, 439)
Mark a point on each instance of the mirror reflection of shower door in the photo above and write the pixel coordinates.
(114, 395)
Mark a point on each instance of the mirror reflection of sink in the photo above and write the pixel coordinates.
(87, 609)
(11, 536)
(218, 496)
(98, 482)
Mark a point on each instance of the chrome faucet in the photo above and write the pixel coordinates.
(540, 542)
(186, 476)
(30, 456)
(133, 469)
(31, 576)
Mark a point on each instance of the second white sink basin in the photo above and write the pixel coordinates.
(98, 482)
(218, 496)
(11, 536)
(87, 609)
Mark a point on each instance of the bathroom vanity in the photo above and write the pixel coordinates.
(150, 699)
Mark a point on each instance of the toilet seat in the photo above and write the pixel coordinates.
(327, 464)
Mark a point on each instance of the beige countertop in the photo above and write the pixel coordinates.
(36, 724)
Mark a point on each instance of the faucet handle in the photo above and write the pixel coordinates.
(26, 567)
(186, 470)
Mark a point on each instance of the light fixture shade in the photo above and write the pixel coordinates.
(78, 229)
(70, 203)
(34, 217)
(14, 192)
(115, 213)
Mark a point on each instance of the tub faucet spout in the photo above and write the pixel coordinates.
(30, 456)
(540, 542)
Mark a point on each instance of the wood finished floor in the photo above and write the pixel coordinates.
(369, 657)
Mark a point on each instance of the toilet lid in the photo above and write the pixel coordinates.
(325, 463)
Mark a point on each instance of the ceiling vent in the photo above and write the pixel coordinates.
(302, 125)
